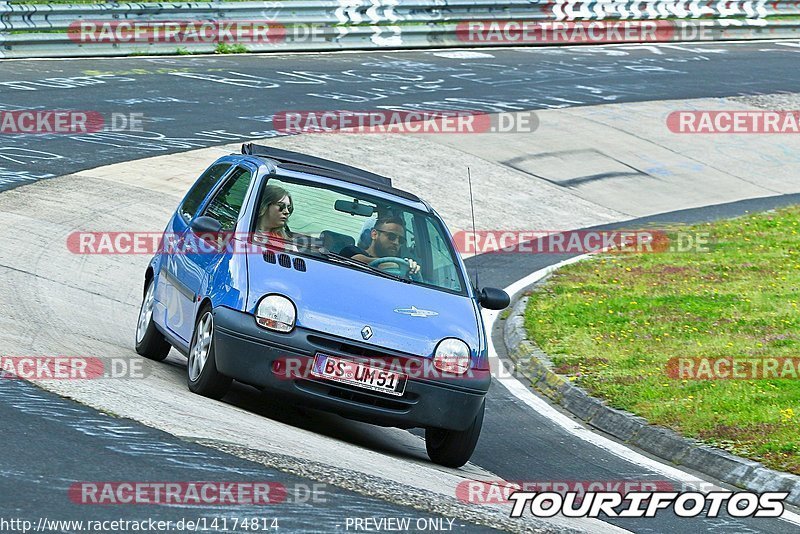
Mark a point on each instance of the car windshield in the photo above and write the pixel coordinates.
(339, 225)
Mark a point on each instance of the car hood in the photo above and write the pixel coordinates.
(342, 301)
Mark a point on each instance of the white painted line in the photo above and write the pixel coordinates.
(462, 54)
(577, 429)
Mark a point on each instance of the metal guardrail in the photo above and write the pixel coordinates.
(46, 30)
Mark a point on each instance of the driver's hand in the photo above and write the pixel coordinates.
(413, 267)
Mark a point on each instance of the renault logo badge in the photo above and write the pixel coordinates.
(366, 332)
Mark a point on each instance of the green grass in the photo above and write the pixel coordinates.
(613, 322)
(225, 48)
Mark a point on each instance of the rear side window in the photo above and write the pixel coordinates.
(201, 189)
(227, 203)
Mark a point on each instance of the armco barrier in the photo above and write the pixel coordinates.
(43, 30)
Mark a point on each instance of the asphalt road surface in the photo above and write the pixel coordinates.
(191, 102)
(53, 445)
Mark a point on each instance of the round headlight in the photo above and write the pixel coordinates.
(276, 312)
(452, 356)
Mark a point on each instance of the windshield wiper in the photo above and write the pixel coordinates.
(355, 263)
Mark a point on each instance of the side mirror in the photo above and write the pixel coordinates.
(205, 225)
(492, 298)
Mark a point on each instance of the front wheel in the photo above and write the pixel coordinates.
(202, 376)
(453, 448)
(150, 343)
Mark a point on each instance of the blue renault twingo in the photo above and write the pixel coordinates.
(322, 283)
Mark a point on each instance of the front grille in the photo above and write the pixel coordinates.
(284, 260)
(269, 256)
(354, 350)
(300, 264)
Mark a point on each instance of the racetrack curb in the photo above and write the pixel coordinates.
(532, 364)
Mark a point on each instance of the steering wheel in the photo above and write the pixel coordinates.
(401, 270)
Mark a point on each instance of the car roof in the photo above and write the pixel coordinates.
(296, 161)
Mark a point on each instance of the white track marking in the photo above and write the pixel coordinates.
(462, 54)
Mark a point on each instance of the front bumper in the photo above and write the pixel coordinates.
(248, 353)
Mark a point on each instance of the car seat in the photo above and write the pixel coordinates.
(334, 241)
(365, 239)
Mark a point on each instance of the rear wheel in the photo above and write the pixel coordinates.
(453, 448)
(150, 343)
(202, 376)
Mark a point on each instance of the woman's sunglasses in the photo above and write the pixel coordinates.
(282, 206)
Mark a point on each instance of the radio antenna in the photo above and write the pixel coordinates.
(474, 233)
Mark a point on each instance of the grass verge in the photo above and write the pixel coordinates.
(613, 324)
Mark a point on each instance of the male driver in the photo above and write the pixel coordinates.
(388, 235)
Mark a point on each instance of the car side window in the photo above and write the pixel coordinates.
(201, 189)
(409, 220)
(444, 269)
(227, 203)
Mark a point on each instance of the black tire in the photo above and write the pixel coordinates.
(453, 448)
(150, 343)
(203, 377)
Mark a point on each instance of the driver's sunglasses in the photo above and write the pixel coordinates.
(393, 236)
(282, 206)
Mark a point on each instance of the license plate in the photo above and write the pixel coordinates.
(358, 374)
